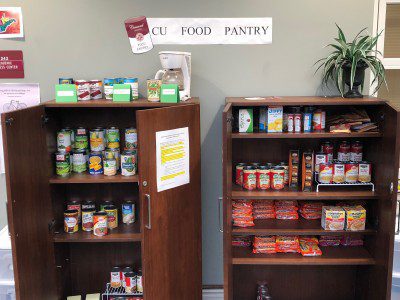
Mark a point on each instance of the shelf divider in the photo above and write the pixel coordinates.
(87, 178)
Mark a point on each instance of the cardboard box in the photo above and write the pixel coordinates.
(333, 218)
(246, 120)
(355, 218)
(275, 118)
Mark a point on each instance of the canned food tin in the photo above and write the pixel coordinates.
(113, 154)
(95, 163)
(249, 178)
(239, 173)
(320, 158)
(128, 212)
(64, 140)
(344, 151)
(307, 119)
(63, 164)
(139, 281)
(338, 173)
(115, 278)
(81, 139)
(297, 121)
(119, 80)
(79, 161)
(109, 88)
(112, 137)
(263, 178)
(112, 216)
(105, 203)
(125, 271)
(133, 82)
(130, 138)
(89, 204)
(65, 80)
(325, 173)
(75, 205)
(153, 90)
(82, 90)
(278, 178)
(319, 117)
(128, 163)
(356, 151)
(364, 171)
(97, 139)
(327, 148)
(100, 223)
(351, 172)
(130, 283)
(110, 167)
(71, 221)
(290, 122)
(87, 219)
(96, 89)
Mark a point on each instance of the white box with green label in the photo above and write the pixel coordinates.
(246, 120)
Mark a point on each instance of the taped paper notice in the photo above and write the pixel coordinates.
(172, 154)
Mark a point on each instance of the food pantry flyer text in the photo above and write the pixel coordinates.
(172, 154)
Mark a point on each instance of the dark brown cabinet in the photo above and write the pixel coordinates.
(165, 240)
(341, 272)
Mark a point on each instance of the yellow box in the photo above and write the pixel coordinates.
(333, 218)
(355, 218)
(275, 118)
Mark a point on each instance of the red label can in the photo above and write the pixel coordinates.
(239, 174)
(297, 123)
(320, 158)
(356, 151)
(351, 172)
(278, 178)
(338, 173)
(364, 171)
(290, 122)
(344, 152)
(96, 89)
(82, 90)
(249, 178)
(263, 178)
(327, 148)
(325, 173)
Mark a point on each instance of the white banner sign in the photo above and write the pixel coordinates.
(194, 31)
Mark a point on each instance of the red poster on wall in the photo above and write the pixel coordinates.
(11, 64)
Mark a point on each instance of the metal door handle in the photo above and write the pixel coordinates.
(148, 226)
(219, 214)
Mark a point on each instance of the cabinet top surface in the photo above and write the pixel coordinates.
(303, 100)
(109, 103)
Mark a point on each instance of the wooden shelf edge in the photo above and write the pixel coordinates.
(87, 178)
(90, 238)
(250, 231)
(315, 135)
(311, 262)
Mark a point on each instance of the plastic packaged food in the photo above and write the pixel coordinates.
(352, 241)
(287, 244)
(263, 209)
(311, 210)
(330, 240)
(286, 210)
(264, 244)
(309, 247)
(242, 213)
(241, 241)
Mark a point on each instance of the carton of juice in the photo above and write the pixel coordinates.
(355, 218)
(262, 126)
(275, 118)
(245, 120)
(333, 218)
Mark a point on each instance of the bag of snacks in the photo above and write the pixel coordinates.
(264, 244)
(351, 241)
(310, 210)
(286, 210)
(242, 213)
(330, 240)
(309, 246)
(263, 209)
(241, 241)
(287, 244)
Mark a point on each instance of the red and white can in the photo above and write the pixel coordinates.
(297, 122)
(319, 119)
(82, 90)
(263, 178)
(96, 89)
(239, 173)
(344, 151)
(139, 34)
(320, 158)
(327, 148)
(364, 171)
(290, 122)
(338, 173)
(249, 178)
(325, 173)
(351, 172)
(356, 151)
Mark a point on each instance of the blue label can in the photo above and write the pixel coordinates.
(96, 163)
(307, 121)
(128, 212)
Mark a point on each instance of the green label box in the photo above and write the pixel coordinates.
(169, 93)
(66, 93)
(122, 93)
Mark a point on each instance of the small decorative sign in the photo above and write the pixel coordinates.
(11, 64)
(66, 93)
(122, 93)
(11, 24)
(169, 93)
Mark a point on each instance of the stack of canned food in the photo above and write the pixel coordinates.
(349, 166)
(99, 222)
(93, 89)
(128, 279)
(97, 151)
(262, 176)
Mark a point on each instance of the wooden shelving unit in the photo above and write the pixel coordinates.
(353, 269)
(87, 178)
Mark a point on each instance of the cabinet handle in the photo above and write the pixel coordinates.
(148, 226)
(219, 214)
(398, 217)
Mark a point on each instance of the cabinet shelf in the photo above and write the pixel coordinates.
(87, 178)
(305, 135)
(123, 233)
(330, 256)
(294, 227)
(336, 194)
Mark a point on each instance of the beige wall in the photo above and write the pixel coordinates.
(87, 39)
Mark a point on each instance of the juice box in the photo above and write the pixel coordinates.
(333, 218)
(246, 120)
(355, 218)
(275, 118)
(262, 125)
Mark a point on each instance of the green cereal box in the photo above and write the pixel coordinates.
(246, 120)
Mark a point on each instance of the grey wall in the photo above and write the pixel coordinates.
(87, 39)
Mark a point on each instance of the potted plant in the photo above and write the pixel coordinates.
(347, 62)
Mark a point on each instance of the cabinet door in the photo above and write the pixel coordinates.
(171, 219)
(29, 205)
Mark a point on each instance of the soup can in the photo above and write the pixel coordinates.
(239, 173)
(64, 140)
(338, 173)
(319, 118)
(263, 178)
(249, 178)
(364, 171)
(112, 137)
(79, 161)
(82, 90)
(128, 212)
(110, 167)
(278, 178)
(325, 173)
(130, 138)
(109, 88)
(125, 271)
(96, 86)
(97, 139)
(356, 151)
(65, 80)
(119, 80)
(128, 163)
(344, 151)
(89, 204)
(351, 172)
(112, 216)
(63, 164)
(71, 221)
(87, 219)
(100, 227)
(153, 90)
(320, 158)
(130, 283)
(113, 154)
(81, 139)
(327, 148)
(95, 163)
(75, 205)
(134, 83)
(115, 278)
(139, 281)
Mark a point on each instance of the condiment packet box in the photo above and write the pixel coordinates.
(262, 126)
(333, 218)
(355, 218)
(275, 118)
(246, 120)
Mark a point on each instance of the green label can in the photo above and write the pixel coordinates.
(110, 167)
(63, 164)
(81, 139)
(64, 140)
(79, 162)
(130, 138)
(113, 154)
(112, 137)
(128, 163)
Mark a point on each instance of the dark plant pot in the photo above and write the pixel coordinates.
(358, 80)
